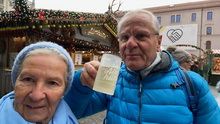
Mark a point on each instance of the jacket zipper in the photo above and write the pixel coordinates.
(140, 98)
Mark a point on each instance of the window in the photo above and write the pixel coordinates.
(159, 20)
(1, 1)
(208, 30)
(172, 18)
(208, 44)
(209, 16)
(193, 17)
(177, 18)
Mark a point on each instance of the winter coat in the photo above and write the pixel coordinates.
(142, 98)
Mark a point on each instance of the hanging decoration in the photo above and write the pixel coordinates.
(206, 53)
(23, 21)
(41, 15)
(188, 45)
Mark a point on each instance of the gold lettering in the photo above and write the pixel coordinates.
(99, 33)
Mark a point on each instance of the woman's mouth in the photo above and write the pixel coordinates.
(34, 107)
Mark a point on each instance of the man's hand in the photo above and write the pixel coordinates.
(89, 73)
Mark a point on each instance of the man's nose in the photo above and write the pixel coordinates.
(131, 42)
(37, 93)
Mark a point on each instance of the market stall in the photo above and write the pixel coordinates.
(215, 68)
(86, 36)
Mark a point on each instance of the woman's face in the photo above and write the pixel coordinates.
(187, 64)
(39, 87)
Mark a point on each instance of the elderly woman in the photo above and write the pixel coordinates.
(183, 57)
(42, 74)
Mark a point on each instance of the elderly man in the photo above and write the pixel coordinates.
(143, 93)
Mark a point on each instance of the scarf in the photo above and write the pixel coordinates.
(8, 115)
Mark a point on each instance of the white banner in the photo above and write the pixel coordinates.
(179, 34)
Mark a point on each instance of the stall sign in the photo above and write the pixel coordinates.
(98, 33)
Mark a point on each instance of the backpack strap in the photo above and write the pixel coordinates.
(188, 88)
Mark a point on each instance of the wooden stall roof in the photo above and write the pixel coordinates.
(23, 21)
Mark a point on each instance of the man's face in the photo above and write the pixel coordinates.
(138, 42)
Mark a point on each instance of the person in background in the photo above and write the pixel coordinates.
(218, 86)
(143, 92)
(183, 57)
(195, 67)
(41, 75)
(218, 90)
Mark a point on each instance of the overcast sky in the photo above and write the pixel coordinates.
(101, 6)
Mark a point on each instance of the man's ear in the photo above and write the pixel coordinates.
(159, 39)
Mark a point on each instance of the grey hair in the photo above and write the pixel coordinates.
(43, 51)
(178, 54)
(155, 23)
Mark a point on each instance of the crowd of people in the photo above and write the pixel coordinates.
(46, 90)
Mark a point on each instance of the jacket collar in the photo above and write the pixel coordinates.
(161, 63)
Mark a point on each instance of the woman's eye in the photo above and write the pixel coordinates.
(28, 79)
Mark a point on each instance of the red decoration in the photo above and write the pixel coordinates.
(104, 19)
(65, 14)
(16, 11)
(82, 18)
(94, 18)
(112, 20)
(41, 15)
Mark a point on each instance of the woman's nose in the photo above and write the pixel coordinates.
(37, 93)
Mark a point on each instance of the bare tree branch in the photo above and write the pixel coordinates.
(110, 7)
(120, 3)
(112, 4)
